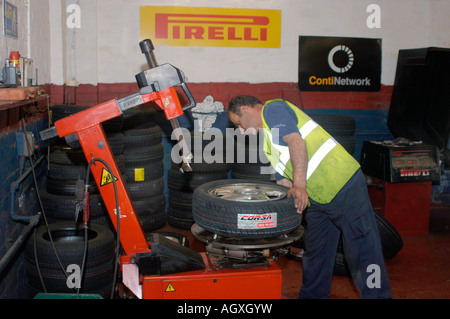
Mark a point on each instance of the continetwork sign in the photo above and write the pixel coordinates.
(339, 64)
(211, 27)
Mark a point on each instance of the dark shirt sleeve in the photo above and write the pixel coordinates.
(278, 115)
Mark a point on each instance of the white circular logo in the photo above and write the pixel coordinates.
(349, 53)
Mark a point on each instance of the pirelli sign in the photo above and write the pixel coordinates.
(211, 27)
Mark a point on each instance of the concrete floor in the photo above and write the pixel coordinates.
(421, 270)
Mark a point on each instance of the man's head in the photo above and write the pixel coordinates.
(245, 113)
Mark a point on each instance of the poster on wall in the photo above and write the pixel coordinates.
(211, 27)
(339, 64)
(10, 20)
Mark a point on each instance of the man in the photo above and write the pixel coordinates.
(328, 187)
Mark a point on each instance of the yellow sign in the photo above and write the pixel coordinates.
(170, 288)
(166, 102)
(212, 27)
(107, 177)
(139, 174)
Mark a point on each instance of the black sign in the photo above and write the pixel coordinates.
(339, 64)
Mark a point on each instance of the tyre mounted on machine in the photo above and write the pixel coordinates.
(245, 209)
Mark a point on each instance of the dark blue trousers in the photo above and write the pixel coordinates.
(350, 214)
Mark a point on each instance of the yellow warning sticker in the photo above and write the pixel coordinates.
(107, 177)
(170, 288)
(166, 102)
(139, 174)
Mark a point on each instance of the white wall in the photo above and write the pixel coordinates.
(33, 35)
(40, 39)
(107, 51)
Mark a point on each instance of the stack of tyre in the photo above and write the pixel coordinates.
(53, 253)
(135, 141)
(204, 169)
(55, 260)
(250, 161)
(144, 168)
(67, 166)
(341, 127)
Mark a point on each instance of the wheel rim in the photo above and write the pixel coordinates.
(248, 192)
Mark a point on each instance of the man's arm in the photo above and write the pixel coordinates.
(299, 160)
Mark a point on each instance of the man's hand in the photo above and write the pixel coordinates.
(299, 194)
(300, 198)
(299, 159)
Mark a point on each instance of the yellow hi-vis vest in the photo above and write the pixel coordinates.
(330, 166)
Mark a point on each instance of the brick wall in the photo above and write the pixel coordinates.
(89, 95)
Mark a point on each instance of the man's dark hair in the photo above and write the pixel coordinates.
(235, 103)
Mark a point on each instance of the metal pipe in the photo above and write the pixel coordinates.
(34, 220)
(15, 186)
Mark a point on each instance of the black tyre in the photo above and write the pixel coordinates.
(145, 189)
(153, 222)
(391, 241)
(58, 112)
(148, 154)
(347, 142)
(335, 124)
(244, 209)
(64, 155)
(141, 116)
(143, 171)
(341, 127)
(116, 142)
(179, 213)
(253, 171)
(340, 263)
(68, 172)
(180, 218)
(180, 200)
(139, 137)
(62, 207)
(251, 162)
(68, 188)
(151, 212)
(69, 242)
(188, 182)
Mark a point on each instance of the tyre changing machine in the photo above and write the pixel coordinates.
(231, 268)
(156, 267)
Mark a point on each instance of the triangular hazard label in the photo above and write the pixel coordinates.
(106, 177)
(166, 102)
(170, 288)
